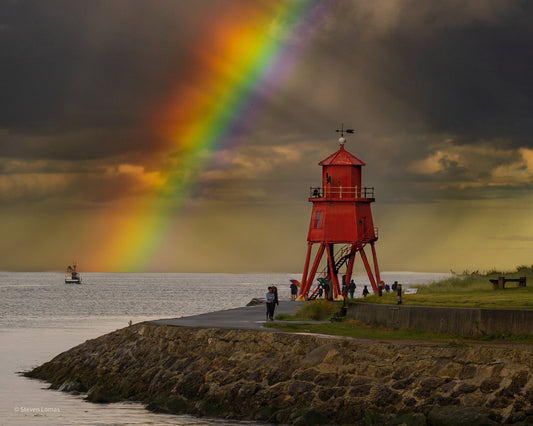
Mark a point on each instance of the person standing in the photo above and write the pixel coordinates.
(351, 288)
(326, 290)
(270, 304)
(275, 291)
(294, 291)
(365, 291)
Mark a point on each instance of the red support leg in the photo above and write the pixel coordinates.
(333, 272)
(349, 267)
(375, 258)
(312, 274)
(369, 271)
(306, 267)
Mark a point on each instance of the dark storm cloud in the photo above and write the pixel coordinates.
(457, 68)
(473, 82)
(87, 74)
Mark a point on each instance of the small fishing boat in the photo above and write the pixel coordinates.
(72, 276)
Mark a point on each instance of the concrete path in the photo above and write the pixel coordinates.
(247, 317)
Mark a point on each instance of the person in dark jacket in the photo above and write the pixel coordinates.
(270, 304)
(294, 291)
(326, 290)
(351, 288)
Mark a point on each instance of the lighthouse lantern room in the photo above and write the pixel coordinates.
(341, 220)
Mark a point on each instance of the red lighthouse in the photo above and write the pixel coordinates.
(341, 216)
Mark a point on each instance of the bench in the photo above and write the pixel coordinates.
(500, 282)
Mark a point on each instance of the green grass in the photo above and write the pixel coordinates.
(357, 329)
(351, 328)
(468, 291)
(316, 310)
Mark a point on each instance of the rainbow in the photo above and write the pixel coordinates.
(244, 51)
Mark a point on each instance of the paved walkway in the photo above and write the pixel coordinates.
(247, 317)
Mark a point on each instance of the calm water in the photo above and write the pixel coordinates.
(40, 317)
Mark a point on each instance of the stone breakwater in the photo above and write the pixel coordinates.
(298, 379)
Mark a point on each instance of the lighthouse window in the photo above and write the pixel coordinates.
(317, 219)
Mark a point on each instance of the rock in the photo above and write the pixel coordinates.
(298, 387)
(402, 384)
(255, 301)
(317, 355)
(383, 395)
(102, 394)
(326, 379)
(490, 385)
(307, 374)
(468, 372)
(297, 379)
(432, 383)
(72, 386)
(327, 393)
(518, 381)
(360, 390)
(464, 388)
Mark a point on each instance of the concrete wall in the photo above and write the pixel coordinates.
(461, 321)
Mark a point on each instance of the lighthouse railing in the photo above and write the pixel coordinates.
(341, 192)
(367, 192)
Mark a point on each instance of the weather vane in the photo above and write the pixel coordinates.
(342, 130)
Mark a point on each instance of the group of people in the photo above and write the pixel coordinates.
(322, 289)
(350, 288)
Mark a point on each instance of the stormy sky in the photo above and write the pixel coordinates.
(440, 94)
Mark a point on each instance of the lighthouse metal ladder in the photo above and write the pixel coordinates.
(343, 254)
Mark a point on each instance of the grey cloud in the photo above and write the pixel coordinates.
(429, 66)
(98, 67)
(82, 78)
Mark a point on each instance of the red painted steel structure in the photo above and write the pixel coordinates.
(341, 215)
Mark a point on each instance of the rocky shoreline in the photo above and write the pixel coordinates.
(298, 379)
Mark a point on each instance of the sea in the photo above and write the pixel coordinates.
(41, 316)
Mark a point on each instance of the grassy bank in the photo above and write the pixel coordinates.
(359, 330)
(467, 290)
(473, 290)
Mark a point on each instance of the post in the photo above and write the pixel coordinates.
(399, 294)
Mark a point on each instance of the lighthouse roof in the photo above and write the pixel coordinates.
(341, 158)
